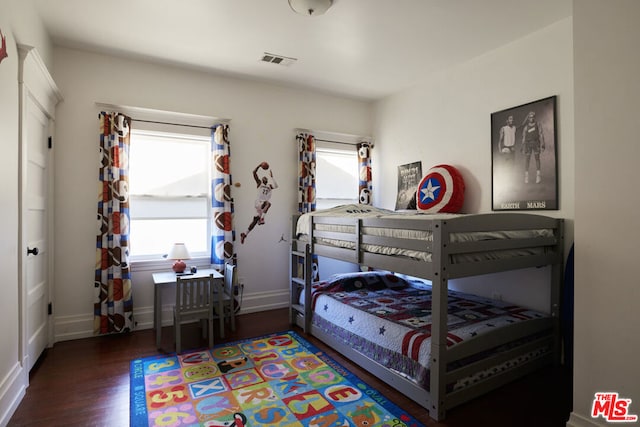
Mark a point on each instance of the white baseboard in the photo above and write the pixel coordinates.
(143, 317)
(251, 303)
(577, 420)
(73, 327)
(81, 326)
(12, 390)
(263, 301)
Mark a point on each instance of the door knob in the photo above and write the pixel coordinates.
(33, 251)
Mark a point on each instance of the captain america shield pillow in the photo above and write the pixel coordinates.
(441, 190)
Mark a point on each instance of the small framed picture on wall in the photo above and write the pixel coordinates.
(409, 177)
(524, 166)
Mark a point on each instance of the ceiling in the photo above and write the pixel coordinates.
(365, 49)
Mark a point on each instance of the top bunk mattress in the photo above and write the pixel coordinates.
(411, 232)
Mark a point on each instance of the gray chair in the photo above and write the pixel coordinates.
(195, 300)
(227, 299)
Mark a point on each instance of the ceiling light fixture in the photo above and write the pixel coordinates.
(310, 7)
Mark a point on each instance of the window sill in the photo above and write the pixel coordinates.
(163, 264)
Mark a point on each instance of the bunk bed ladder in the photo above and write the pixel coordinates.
(300, 279)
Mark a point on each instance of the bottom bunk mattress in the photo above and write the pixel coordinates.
(388, 319)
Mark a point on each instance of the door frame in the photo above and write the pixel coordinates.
(34, 83)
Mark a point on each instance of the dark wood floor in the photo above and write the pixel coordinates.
(86, 383)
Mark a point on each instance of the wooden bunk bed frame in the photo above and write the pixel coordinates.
(441, 269)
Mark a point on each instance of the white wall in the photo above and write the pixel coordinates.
(19, 24)
(9, 357)
(263, 119)
(607, 66)
(28, 28)
(446, 119)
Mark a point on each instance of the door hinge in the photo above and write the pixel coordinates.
(50, 142)
(50, 309)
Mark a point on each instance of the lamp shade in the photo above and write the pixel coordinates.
(310, 7)
(178, 253)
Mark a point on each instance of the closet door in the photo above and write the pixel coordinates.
(38, 97)
(36, 230)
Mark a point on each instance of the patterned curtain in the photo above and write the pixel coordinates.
(365, 186)
(306, 172)
(113, 309)
(307, 186)
(223, 234)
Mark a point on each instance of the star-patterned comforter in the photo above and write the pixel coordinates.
(393, 325)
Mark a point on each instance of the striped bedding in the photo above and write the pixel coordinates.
(303, 228)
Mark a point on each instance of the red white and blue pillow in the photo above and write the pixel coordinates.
(441, 190)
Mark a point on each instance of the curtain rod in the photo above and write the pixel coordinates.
(164, 117)
(335, 137)
(174, 124)
(351, 144)
(336, 142)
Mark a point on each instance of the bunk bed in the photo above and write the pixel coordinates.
(435, 248)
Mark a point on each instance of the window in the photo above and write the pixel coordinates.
(336, 175)
(169, 182)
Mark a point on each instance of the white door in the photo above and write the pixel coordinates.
(35, 228)
(39, 96)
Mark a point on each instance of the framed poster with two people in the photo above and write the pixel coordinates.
(524, 165)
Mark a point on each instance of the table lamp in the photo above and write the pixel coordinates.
(178, 253)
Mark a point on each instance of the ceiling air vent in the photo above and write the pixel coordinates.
(277, 59)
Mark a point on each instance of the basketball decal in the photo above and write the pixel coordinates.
(265, 184)
(441, 190)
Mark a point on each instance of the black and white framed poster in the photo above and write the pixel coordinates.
(409, 177)
(524, 165)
